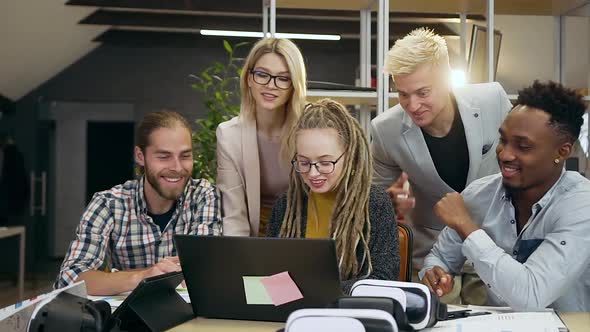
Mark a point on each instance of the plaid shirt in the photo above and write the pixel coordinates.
(116, 229)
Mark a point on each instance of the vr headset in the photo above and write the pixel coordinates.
(421, 306)
(69, 313)
(389, 305)
(338, 320)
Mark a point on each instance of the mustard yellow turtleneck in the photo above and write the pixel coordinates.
(319, 214)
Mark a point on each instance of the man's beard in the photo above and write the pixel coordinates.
(512, 190)
(170, 194)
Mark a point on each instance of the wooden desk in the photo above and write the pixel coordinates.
(213, 325)
(17, 231)
(576, 322)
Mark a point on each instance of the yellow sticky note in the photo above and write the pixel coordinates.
(255, 291)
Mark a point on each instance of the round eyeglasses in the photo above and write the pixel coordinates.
(323, 167)
(263, 78)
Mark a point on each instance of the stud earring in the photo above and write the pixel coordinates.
(556, 161)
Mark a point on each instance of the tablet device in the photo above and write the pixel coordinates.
(154, 305)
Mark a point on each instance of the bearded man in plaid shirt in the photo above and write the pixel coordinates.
(130, 227)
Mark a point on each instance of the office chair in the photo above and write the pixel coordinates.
(406, 245)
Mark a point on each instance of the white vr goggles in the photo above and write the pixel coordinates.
(340, 320)
(421, 306)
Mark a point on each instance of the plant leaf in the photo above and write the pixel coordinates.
(228, 47)
(219, 86)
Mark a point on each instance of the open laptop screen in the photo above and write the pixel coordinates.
(215, 267)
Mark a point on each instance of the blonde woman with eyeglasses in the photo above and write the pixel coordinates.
(330, 195)
(252, 169)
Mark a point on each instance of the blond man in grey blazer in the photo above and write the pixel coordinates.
(437, 139)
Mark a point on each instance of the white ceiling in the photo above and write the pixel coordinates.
(38, 39)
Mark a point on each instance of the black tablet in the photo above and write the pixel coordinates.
(154, 305)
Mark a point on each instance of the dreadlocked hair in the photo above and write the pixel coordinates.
(350, 226)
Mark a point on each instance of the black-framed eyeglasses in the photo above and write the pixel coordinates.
(263, 78)
(323, 167)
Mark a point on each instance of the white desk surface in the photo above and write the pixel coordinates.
(576, 322)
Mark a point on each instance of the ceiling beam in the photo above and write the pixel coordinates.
(251, 6)
(193, 24)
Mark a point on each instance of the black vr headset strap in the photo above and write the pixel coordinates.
(439, 310)
(101, 311)
(393, 307)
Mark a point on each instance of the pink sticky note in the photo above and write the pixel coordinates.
(281, 288)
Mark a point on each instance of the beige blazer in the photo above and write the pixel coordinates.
(238, 176)
(398, 145)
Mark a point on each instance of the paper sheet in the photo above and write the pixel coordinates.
(281, 288)
(183, 292)
(15, 318)
(545, 321)
(116, 300)
(255, 291)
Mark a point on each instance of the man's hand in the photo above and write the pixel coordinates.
(165, 265)
(438, 281)
(452, 211)
(102, 283)
(400, 196)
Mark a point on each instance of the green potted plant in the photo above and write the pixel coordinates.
(219, 84)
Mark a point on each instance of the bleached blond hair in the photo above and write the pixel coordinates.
(419, 47)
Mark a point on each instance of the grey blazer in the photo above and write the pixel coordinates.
(398, 145)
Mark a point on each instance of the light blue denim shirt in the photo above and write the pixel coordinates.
(546, 265)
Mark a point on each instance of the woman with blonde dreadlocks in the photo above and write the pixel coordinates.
(330, 195)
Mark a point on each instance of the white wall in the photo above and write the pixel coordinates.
(528, 53)
(577, 53)
(527, 50)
